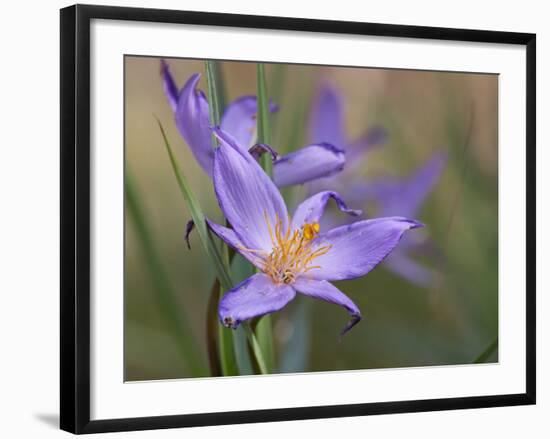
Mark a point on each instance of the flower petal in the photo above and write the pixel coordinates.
(193, 123)
(357, 248)
(247, 196)
(230, 238)
(321, 289)
(326, 122)
(170, 87)
(307, 164)
(239, 120)
(311, 210)
(253, 297)
(405, 197)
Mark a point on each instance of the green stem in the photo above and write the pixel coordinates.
(484, 356)
(264, 334)
(264, 328)
(264, 128)
(256, 348)
(165, 295)
(216, 98)
(228, 358)
(216, 104)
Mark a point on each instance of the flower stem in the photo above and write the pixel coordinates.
(216, 105)
(216, 98)
(264, 128)
(264, 328)
(256, 348)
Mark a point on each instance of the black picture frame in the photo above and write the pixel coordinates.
(75, 217)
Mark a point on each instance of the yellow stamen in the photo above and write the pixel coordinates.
(292, 251)
(310, 230)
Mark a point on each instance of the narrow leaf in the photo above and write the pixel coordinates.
(255, 348)
(198, 217)
(486, 354)
(216, 106)
(215, 94)
(164, 293)
(294, 356)
(240, 270)
(264, 129)
(227, 349)
(212, 331)
(264, 333)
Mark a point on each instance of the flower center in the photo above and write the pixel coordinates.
(292, 251)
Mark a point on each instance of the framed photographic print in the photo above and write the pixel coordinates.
(268, 218)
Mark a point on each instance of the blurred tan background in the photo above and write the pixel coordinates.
(451, 322)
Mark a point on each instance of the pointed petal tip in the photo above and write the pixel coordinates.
(254, 297)
(225, 139)
(229, 322)
(408, 224)
(188, 229)
(416, 224)
(356, 318)
(192, 81)
(260, 148)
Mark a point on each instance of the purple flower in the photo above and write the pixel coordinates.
(190, 108)
(292, 254)
(393, 197)
(326, 124)
(405, 197)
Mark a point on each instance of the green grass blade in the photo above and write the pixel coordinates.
(221, 353)
(212, 325)
(256, 348)
(198, 217)
(216, 96)
(241, 269)
(206, 240)
(277, 82)
(165, 295)
(264, 128)
(215, 99)
(226, 345)
(264, 334)
(264, 331)
(486, 354)
(294, 355)
(214, 76)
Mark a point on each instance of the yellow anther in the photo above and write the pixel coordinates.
(310, 230)
(292, 251)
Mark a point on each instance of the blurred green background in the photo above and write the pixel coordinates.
(452, 322)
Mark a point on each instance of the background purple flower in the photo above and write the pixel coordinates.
(403, 197)
(326, 124)
(406, 196)
(190, 108)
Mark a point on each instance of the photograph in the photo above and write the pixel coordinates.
(293, 218)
